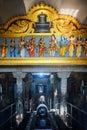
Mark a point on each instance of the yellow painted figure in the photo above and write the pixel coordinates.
(79, 48)
(62, 50)
(4, 48)
(63, 47)
(71, 46)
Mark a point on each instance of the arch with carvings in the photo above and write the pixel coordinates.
(63, 25)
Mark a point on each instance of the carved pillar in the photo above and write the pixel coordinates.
(63, 76)
(19, 103)
(0, 95)
(52, 90)
(19, 77)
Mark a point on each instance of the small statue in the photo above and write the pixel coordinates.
(31, 47)
(12, 48)
(53, 46)
(79, 47)
(63, 48)
(85, 47)
(21, 47)
(41, 46)
(4, 48)
(71, 46)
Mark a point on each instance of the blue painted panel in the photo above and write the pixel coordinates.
(61, 42)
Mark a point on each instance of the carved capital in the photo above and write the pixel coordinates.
(19, 77)
(63, 75)
(19, 74)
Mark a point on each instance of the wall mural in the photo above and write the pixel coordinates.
(43, 34)
(43, 46)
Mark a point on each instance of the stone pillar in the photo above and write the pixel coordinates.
(52, 90)
(19, 103)
(0, 92)
(19, 77)
(63, 106)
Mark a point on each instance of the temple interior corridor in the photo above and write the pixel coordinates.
(55, 99)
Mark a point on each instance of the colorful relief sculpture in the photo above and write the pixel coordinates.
(21, 47)
(79, 47)
(85, 47)
(41, 46)
(53, 46)
(4, 48)
(63, 47)
(31, 47)
(71, 46)
(12, 48)
(63, 50)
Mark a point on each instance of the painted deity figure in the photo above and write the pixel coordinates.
(31, 47)
(21, 47)
(71, 46)
(53, 46)
(85, 47)
(4, 48)
(79, 47)
(41, 46)
(12, 48)
(63, 47)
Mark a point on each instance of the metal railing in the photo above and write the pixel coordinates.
(6, 114)
(74, 113)
(77, 115)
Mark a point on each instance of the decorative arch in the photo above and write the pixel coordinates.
(63, 25)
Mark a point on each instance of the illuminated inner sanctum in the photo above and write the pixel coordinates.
(43, 65)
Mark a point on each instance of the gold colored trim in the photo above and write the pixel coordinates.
(64, 25)
(43, 61)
